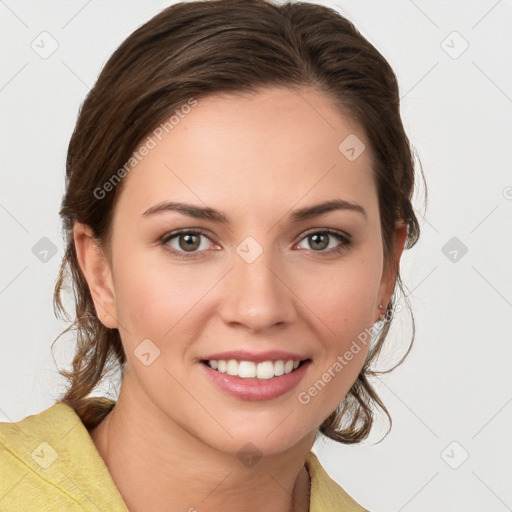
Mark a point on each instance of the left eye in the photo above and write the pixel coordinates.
(319, 241)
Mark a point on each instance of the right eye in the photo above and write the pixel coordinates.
(187, 242)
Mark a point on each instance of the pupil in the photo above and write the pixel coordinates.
(316, 241)
(190, 243)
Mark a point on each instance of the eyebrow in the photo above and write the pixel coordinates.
(299, 215)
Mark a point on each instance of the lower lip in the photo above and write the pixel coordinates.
(256, 389)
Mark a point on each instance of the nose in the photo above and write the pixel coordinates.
(256, 295)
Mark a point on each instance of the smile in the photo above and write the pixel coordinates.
(248, 380)
(251, 370)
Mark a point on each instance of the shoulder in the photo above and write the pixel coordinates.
(49, 462)
(326, 494)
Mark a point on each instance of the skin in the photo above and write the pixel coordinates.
(172, 440)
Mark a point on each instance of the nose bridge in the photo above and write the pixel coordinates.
(255, 294)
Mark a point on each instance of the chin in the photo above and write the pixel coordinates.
(264, 438)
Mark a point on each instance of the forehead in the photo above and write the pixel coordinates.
(273, 147)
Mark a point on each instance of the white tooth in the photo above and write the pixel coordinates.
(278, 368)
(232, 367)
(250, 370)
(265, 370)
(247, 369)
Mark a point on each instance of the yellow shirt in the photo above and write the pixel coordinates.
(48, 461)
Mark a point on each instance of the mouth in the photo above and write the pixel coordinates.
(259, 380)
(264, 370)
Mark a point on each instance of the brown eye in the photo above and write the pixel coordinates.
(319, 241)
(189, 242)
(185, 243)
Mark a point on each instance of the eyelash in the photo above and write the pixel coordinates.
(344, 239)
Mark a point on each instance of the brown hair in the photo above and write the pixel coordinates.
(192, 50)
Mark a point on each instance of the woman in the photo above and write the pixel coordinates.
(238, 198)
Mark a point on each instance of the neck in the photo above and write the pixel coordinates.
(157, 464)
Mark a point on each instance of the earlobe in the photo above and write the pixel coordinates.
(390, 273)
(97, 272)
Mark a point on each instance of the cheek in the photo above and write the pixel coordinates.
(346, 310)
(156, 298)
(343, 297)
(341, 307)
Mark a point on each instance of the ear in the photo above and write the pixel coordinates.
(97, 271)
(390, 272)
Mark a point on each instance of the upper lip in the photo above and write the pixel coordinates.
(255, 357)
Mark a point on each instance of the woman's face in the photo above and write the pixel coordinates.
(265, 279)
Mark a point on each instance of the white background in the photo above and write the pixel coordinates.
(455, 384)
